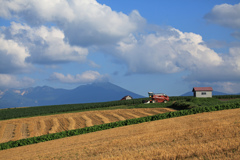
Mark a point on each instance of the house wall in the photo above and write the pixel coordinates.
(128, 98)
(203, 94)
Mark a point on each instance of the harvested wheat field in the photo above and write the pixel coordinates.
(213, 135)
(11, 130)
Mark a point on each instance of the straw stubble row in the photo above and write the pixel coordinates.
(11, 130)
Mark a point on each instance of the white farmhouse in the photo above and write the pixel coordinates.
(127, 98)
(202, 92)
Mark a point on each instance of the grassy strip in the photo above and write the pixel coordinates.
(227, 96)
(135, 103)
(69, 133)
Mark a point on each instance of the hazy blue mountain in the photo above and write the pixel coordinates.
(214, 93)
(38, 96)
(97, 92)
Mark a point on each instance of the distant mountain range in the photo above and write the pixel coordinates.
(95, 92)
(39, 96)
(214, 93)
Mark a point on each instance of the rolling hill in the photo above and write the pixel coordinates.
(210, 135)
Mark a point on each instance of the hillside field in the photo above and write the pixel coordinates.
(184, 128)
(210, 135)
(15, 129)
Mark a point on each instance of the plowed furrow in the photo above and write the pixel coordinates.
(2, 127)
(132, 115)
(40, 127)
(125, 115)
(111, 117)
(64, 123)
(31, 129)
(139, 113)
(17, 132)
(24, 130)
(157, 111)
(120, 118)
(88, 121)
(79, 122)
(103, 118)
(163, 110)
(55, 126)
(48, 126)
(11, 130)
(95, 119)
(8, 132)
(72, 123)
(147, 113)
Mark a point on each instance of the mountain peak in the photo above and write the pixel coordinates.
(45, 95)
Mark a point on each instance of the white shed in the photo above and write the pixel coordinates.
(202, 92)
(127, 98)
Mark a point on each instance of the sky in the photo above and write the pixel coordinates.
(143, 46)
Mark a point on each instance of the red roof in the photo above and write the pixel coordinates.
(202, 89)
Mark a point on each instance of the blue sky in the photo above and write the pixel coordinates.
(160, 46)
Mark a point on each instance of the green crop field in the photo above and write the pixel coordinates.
(178, 103)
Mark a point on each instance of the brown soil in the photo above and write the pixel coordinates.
(214, 135)
(11, 130)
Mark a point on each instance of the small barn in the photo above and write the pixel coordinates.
(202, 92)
(127, 98)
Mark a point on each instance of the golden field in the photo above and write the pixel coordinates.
(213, 135)
(15, 129)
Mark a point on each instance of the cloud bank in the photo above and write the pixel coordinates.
(56, 32)
(84, 22)
(45, 45)
(12, 56)
(225, 15)
(85, 77)
(166, 51)
(11, 81)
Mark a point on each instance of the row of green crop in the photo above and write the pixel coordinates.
(227, 96)
(174, 98)
(192, 102)
(49, 137)
(46, 110)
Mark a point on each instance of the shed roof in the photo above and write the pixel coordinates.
(202, 89)
(125, 97)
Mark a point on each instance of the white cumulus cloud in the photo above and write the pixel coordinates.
(11, 81)
(226, 15)
(84, 22)
(45, 45)
(61, 31)
(166, 51)
(85, 77)
(12, 56)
